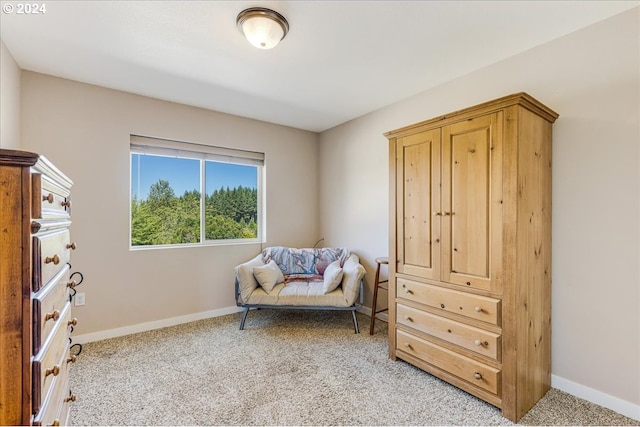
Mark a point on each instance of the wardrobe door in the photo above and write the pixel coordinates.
(471, 202)
(418, 204)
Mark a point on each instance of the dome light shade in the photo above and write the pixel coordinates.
(264, 28)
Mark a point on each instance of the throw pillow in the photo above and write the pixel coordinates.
(332, 277)
(268, 275)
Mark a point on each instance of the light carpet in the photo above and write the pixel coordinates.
(285, 368)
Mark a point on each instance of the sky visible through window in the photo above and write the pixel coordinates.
(184, 174)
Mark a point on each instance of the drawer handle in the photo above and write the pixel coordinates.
(55, 371)
(408, 318)
(478, 375)
(55, 260)
(72, 359)
(71, 398)
(66, 204)
(437, 214)
(478, 309)
(48, 198)
(72, 322)
(55, 316)
(407, 290)
(71, 246)
(407, 345)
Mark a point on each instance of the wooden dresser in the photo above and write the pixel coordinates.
(470, 250)
(35, 306)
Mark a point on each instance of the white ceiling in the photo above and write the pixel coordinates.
(340, 60)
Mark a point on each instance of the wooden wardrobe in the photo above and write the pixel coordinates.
(470, 249)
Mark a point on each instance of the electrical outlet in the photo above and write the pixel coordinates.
(79, 299)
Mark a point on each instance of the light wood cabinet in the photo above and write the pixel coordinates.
(35, 303)
(470, 249)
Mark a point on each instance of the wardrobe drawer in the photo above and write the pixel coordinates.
(474, 306)
(51, 252)
(469, 370)
(49, 199)
(52, 360)
(472, 338)
(48, 305)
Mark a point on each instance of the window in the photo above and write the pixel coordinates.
(184, 193)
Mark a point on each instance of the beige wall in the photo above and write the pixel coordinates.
(9, 100)
(592, 79)
(85, 131)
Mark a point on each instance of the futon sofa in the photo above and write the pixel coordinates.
(308, 278)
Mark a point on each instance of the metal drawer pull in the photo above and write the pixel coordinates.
(72, 359)
(71, 398)
(406, 290)
(478, 310)
(48, 198)
(55, 371)
(66, 204)
(55, 260)
(55, 316)
(478, 375)
(71, 246)
(72, 322)
(407, 345)
(407, 317)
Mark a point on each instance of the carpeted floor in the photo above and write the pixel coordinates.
(286, 368)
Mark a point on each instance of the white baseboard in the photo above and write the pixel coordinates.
(616, 404)
(149, 326)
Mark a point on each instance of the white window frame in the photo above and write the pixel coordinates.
(169, 148)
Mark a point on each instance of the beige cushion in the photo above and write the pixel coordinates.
(246, 280)
(353, 274)
(268, 275)
(332, 277)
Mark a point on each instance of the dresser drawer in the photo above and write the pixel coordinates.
(55, 408)
(51, 361)
(472, 338)
(48, 305)
(65, 411)
(51, 252)
(50, 200)
(473, 306)
(469, 370)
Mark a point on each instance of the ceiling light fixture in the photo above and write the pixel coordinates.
(264, 28)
